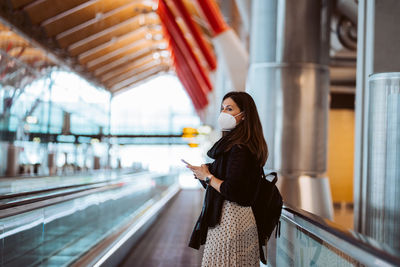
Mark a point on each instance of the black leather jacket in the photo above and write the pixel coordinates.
(239, 170)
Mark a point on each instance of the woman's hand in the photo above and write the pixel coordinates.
(200, 172)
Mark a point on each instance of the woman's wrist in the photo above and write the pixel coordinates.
(215, 182)
(208, 178)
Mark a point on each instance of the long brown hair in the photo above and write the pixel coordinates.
(249, 131)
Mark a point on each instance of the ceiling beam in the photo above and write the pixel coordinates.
(135, 55)
(141, 79)
(124, 63)
(103, 22)
(133, 64)
(31, 54)
(140, 76)
(17, 4)
(113, 32)
(119, 53)
(36, 37)
(9, 40)
(117, 43)
(142, 66)
(80, 14)
(41, 10)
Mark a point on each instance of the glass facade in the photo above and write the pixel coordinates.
(160, 106)
(61, 121)
(45, 116)
(44, 105)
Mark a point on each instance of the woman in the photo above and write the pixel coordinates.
(226, 224)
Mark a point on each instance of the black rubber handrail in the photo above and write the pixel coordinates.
(34, 192)
(59, 188)
(362, 242)
(51, 194)
(63, 197)
(92, 174)
(62, 193)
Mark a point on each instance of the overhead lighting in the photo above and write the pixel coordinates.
(158, 37)
(165, 53)
(31, 120)
(163, 46)
(142, 20)
(156, 55)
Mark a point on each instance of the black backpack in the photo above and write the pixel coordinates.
(267, 208)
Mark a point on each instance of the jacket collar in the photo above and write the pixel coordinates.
(220, 146)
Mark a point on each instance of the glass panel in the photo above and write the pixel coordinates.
(22, 238)
(56, 235)
(308, 240)
(297, 247)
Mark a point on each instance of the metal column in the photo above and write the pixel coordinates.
(378, 51)
(289, 78)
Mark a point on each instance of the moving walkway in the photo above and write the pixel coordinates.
(144, 219)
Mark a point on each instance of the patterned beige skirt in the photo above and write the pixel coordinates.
(233, 242)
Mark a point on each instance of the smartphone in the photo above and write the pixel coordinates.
(184, 161)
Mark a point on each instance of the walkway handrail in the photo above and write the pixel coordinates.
(49, 197)
(361, 248)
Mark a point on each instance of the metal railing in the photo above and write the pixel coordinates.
(309, 240)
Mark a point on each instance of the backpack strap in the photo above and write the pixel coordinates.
(278, 229)
(271, 173)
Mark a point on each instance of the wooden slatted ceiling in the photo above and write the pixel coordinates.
(31, 55)
(118, 54)
(123, 74)
(139, 75)
(80, 14)
(142, 77)
(99, 24)
(117, 43)
(147, 47)
(17, 51)
(8, 39)
(112, 32)
(52, 8)
(18, 47)
(127, 65)
(16, 4)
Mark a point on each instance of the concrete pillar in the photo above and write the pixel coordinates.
(96, 163)
(12, 160)
(51, 163)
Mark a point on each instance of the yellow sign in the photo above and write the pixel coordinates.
(189, 132)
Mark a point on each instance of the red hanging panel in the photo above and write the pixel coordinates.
(188, 69)
(196, 33)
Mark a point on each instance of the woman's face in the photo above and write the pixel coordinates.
(229, 106)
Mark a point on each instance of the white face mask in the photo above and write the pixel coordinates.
(226, 121)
